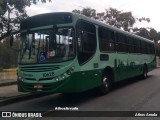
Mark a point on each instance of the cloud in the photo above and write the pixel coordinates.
(37, 9)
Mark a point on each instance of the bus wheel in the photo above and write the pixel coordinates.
(145, 71)
(106, 84)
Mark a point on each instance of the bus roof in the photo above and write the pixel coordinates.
(49, 18)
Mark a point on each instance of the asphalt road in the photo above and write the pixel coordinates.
(136, 95)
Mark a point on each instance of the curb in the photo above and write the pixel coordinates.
(8, 83)
(5, 82)
(19, 98)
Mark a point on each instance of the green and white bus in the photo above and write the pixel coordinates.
(67, 53)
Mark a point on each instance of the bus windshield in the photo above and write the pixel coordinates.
(46, 46)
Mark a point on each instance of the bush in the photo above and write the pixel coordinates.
(1, 69)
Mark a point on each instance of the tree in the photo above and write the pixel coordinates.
(154, 35)
(143, 32)
(9, 57)
(16, 8)
(89, 12)
(113, 17)
(149, 33)
(11, 14)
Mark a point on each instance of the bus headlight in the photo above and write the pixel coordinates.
(19, 77)
(64, 75)
(70, 71)
(59, 78)
(56, 78)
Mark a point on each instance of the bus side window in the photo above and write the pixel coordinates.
(130, 45)
(121, 43)
(138, 46)
(135, 42)
(143, 47)
(86, 38)
(106, 39)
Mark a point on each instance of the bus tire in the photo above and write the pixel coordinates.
(106, 83)
(145, 72)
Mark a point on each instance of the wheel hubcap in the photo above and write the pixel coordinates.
(105, 81)
(145, 73)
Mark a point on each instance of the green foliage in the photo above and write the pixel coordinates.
(1, 69)
(158, 49)
(9, 57)
(17, 8)
(149, 33)
(114, 17)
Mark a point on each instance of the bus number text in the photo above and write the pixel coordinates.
(49, 74)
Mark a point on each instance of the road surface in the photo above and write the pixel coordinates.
(136, 95)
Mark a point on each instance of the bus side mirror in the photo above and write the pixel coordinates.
(11, 40)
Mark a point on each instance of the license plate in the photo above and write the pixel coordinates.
(38, 86)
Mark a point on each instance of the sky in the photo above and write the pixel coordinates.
(139, 8)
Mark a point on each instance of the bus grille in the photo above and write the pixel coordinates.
(39, 68)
